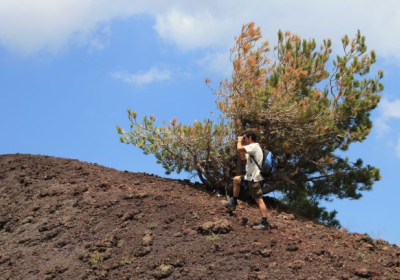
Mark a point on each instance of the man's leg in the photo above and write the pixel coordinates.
(257, 196)
(232, 203)
(236, 186)
(261, 205)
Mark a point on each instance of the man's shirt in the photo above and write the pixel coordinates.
(252, 170)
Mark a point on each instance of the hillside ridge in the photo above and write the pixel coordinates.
(66, 219)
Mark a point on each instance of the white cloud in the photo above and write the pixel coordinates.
(46, 25)
(387, 124)
(198, 26)
(28, 27)
(101, 41)
(218, 62)
(388, 111)
(190, 31)
(143, 77)
(382, 127)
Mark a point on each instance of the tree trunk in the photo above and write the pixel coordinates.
(267, 133)
(238, 167)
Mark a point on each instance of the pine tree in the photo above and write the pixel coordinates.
(301, 112)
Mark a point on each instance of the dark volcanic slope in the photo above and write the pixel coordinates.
(65, 219)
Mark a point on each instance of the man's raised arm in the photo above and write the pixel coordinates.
(240, 148)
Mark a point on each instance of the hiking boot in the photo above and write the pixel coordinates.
(262, 226)
(230, 204)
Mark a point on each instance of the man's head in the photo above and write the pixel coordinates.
(249, 137)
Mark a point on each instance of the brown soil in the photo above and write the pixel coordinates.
(65, 219)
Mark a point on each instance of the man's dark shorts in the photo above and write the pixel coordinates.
(254, 187)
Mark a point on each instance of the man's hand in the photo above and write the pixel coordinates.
(240, 138)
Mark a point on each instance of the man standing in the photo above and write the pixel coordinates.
(250, 151)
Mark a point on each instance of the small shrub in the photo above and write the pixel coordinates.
(361, 255)
(97, 259)
(126, 260)
(152, 226)
(213, 237)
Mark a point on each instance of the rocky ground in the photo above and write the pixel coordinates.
(65, 219)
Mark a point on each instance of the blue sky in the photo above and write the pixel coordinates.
(70, 69)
